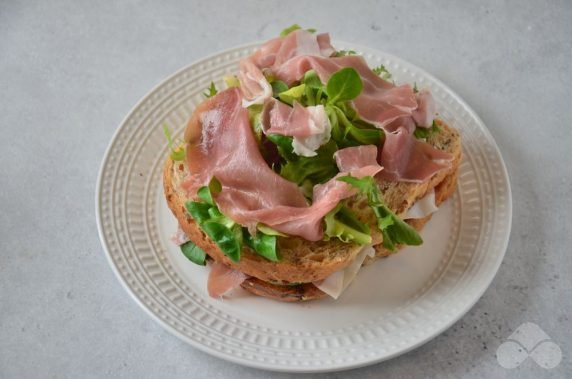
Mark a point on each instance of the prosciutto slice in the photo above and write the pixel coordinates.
(426, 109)
(255, 88)
(407, 159)
(379, 103)
(221, 144)
(309, 126)
(354, 158)
(223, 279)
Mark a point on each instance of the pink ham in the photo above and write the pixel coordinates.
(357, 157)
(221, 144)
(309, 126)
(426, 109)
(406, 159)
(379, 103)
(279, 118)
(255, 87)
(223, 279)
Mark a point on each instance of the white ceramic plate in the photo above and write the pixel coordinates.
(393, 306)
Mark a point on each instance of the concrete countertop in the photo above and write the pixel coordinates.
(71, 70)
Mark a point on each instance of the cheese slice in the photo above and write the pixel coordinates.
(336, 283)
(422, 207)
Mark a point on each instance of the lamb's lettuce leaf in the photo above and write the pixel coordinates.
(228, 235)
(424, 133)
(211, 91)
(344, 225)
(194, 253)
(317, 169)
(345, 84)
(176, 147)
(395, 231)
(264, 244)
(293, 94)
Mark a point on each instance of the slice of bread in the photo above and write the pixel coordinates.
(302, 261)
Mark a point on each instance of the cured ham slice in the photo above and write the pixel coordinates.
(299, 42)
(221, 144)
(277, 51)
(406, 159)
(254, 86)
(426, 109)
(379, 103)
(357, 157)
(223, 279)
(309, 126)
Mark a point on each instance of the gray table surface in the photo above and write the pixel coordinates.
(71, 70)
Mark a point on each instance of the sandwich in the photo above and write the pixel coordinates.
(307, 166)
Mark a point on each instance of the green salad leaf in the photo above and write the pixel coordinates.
(229, 240)
(395, 231)
(222, 230)
(289, 30)
(268, 230)
(312, 80)
(382, 72)
(177, 152)
(424, 133)
(343, 53)
(264, 244)
(294, 27)
(317, 169)
(231, 81)
(347, 133)
(278, 86)
(211, 91)
(194, 253)
(284, 146)
(228, 235)
(345, 84)
(344, 225)
(293, 94)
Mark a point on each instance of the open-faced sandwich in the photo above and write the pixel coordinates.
(309, 165)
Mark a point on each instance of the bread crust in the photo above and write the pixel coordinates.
(305, 261)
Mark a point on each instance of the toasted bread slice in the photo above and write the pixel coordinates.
(307, 291)
(304, 261)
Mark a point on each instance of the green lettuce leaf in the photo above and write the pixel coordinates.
(231, 81)
(382, 72)
(343, 53)
(293, 94)
(424, 133)
(278, 86)
(228, 235)
(284, 146)
(395, 231)
(345, 84)
(316, 169)
(347, 133)
(289, 30)
(176, 147)
(344, 225)
(294, 27)
(264, 244)
(194, 253)
(211, 91)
